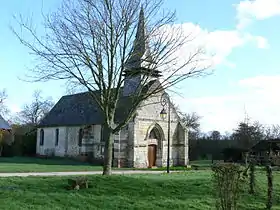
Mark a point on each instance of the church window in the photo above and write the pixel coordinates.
(81, 133)
(42, 137)
(102, 134)
(56, 136)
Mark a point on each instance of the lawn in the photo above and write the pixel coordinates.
(27, 164)
(189, 190)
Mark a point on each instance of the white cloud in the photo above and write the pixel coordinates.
(217, 44)
(263, 82)
(14, 108)
(250, 10)
(259, 95)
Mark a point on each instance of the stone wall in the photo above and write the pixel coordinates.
(181, 146)
(72, 141)
(124, 143)
(68, 141)
(49, 147)
(148, 115)
(60, 148)
(91, 144)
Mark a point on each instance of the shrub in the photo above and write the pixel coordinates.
(7, 151)
(29, 145)
(233, 155)
(227, 185)
(23, 145)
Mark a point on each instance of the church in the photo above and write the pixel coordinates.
(74, 127)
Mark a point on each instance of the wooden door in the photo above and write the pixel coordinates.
(152, 155)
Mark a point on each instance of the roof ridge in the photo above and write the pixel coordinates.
(81, 93)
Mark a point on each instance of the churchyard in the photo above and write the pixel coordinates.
(184, 190)
(189, 189)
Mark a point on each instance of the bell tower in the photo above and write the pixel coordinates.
(139, 61)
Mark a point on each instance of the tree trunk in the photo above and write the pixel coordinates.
(108, 151)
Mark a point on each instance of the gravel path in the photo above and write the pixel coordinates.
(78, 173)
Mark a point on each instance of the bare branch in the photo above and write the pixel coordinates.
(3, 98)
(32, 113)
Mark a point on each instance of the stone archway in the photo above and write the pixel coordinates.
(155, 137)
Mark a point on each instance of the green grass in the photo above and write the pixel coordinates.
(27, 164)
(203, 164)
(189, 190)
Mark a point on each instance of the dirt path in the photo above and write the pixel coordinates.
(78, 173)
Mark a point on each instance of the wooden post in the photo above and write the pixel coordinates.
(252, 177)
(269, 187)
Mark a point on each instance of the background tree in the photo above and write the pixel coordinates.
(248, 134)
(272, 132)
(32, 113)
(215, 135)
(91, 43)
(192, 122)
(3, 97)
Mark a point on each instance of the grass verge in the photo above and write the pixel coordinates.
(190, 190)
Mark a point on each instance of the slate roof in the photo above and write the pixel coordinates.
(4, 124)
(77, 109)
(81, 109)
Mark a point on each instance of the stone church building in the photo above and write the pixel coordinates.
(74, 127)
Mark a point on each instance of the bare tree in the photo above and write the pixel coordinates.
(32, 113)
(191, 120)
(3, 97)
(272, 132)
(91, 43)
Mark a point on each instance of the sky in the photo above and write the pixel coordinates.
(242, 35)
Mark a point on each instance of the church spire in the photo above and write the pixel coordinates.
(138, 64)
(140, 39)
(140, 52)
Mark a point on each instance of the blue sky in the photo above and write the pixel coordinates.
(243, 35)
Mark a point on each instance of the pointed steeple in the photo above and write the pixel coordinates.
(141, 51)
(139, 62)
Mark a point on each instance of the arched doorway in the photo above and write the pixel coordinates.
(155, 137)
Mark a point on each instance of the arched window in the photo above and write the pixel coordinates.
(56, 136)
(42, 137)
(80, 137)
(154, 134)
(102, 133)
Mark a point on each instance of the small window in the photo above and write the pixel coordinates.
(80, 137)
(102, 150)
(56, 136)
(102, 134)
(42, 137)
